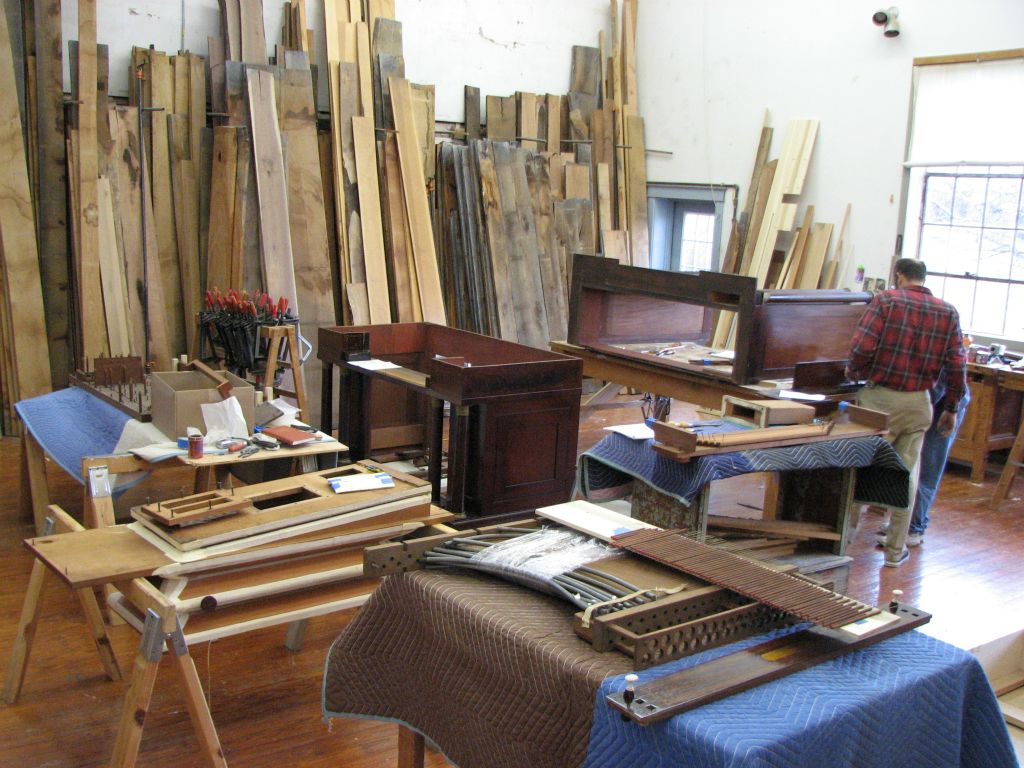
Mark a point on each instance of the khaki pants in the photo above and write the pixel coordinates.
(910, 416)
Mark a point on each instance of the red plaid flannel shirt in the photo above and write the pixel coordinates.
(903, 340)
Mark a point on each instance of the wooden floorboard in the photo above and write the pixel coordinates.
(265, 700)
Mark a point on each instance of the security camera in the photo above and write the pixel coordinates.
(888, 18)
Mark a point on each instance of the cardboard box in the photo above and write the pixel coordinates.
(177, 395)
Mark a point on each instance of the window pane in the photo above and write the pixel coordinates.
(969, 201)
(989, 308)
(1014, 326)
(936, 284)
(1018, 258)
(964, 244)
(938, 203)
(996, 253)
(960, 293)
(1001, 203)
(934, 248)
(696, 241)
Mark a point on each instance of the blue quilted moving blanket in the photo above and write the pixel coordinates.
(608, 469)
(910, 701)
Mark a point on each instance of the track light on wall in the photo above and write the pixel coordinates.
(888, 19)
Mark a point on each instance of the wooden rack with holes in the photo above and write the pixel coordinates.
(198, 508)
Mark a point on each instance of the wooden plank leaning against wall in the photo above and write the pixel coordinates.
(23, 304)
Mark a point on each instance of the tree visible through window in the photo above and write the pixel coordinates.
(972, 239)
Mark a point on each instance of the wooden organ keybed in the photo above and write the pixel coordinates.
(793, 595)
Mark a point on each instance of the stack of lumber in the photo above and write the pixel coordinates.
(766, 242)
(557, 175)
(382, 152)
(214, 175)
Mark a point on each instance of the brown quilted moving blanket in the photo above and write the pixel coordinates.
(491, 672)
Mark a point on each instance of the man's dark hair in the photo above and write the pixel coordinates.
(912, 269)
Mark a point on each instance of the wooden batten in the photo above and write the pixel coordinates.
(161, 85)
(51, 202)
(554, 124)
(795, 256)
(252, 33)
(405, 304)
(814, 257)
(501, 118)
(636, 186)
(527, 126)
(271, 187)
(472, 112)
(378, 303)
(19, 262)
(186, 222)
(307, 219)
(415, 192)
(93, 332)
(223, 185)
(112, 277)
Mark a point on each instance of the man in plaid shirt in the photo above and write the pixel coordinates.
(906, 339)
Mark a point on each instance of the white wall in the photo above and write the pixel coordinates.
(708, 69)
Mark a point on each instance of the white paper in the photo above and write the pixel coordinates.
(374, 365)
(633, 431)
(288, 410)
(362, 482)
(223, 420)
(789, 394)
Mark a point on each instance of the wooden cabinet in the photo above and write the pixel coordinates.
(991, 421)
(514, 410)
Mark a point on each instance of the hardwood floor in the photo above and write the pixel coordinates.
(265, 700)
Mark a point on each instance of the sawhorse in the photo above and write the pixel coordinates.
(161, 628)
(1010, 380)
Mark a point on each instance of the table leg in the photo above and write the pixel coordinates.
(458, 450)
(435, 449)
(410, 748)
(327, 398)
(354, 420)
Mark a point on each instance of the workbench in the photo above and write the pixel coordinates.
(84, 431)
(818, 483)
(991, 421)
(494, 675)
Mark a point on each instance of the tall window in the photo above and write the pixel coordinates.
(972, 239)
(964, 214)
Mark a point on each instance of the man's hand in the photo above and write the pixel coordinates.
(946, 423)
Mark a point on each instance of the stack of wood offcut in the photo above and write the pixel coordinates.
(766, 241)
(555, 175)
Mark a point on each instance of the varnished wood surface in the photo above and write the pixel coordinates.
(265, 700)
